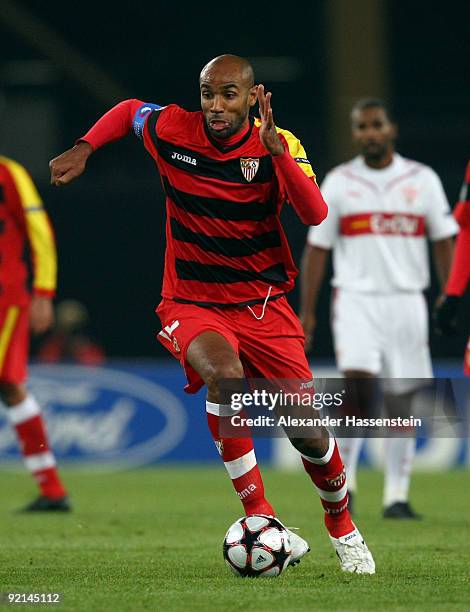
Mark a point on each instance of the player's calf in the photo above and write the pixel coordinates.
(239, 458)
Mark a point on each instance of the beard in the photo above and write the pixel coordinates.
(374, 151)
(227, 132)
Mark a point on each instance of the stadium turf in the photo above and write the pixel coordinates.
(150, 539)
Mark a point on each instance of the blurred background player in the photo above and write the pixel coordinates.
(69, 341)
(228, 266)
(446, 311)
(24, 223)
(381, 208)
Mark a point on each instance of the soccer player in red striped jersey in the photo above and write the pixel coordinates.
(446, 311)
(23, 220)
(228, 265)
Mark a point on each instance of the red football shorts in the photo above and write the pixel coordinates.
(269, 348)
(14, 344)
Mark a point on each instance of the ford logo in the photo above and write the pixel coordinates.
(101, 415)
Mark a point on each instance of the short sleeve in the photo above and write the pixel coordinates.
(439, 220)
(325, 235)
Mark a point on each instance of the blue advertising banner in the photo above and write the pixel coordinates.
(123, 415)
(131, 414)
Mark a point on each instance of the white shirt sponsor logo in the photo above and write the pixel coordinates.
(398, 224)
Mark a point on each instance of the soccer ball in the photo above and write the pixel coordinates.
(257, 546)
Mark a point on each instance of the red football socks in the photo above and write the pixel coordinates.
(239, 459)
(329, 478)
(29, 425)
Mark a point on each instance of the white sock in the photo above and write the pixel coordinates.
(25, 410)
(399, 453)
(350, 449)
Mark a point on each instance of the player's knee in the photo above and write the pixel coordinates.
(220, 372)
(11, 393)
(311, 447)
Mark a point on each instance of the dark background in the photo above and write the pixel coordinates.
(110, 224)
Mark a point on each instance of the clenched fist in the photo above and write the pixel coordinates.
(70, 165)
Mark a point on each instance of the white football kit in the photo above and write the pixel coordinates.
(377, 226)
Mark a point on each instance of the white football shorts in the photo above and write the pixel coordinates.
(384, 334)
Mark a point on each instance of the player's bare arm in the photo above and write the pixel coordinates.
(267, 132)
(443, 251)
(70, 164)
(41, 316)
(312, 272)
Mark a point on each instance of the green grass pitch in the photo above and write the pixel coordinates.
(150, 539)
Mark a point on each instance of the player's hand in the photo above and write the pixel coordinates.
(309, 322)
(68, 166)
(267, 131)
(41, 315)
(445, 315)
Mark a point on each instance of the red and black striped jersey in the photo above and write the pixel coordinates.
(225, 242)
(23, 221)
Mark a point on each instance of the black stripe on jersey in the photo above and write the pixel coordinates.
(152, 121)
(231, 247)
(2, 226)
(207, 273)
(217, 209)
(2, 195)
(236, 305)
(229, 171)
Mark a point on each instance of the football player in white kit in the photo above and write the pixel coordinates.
(382, 209)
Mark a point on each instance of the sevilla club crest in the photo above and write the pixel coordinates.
(249, 166)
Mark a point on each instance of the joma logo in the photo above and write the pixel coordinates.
(248, 491)
(184, 158)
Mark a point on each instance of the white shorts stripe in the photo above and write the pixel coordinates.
(326, 458)
(242, 465)
(220, 410)
(333, 496)
(41, 461)
(24, 411)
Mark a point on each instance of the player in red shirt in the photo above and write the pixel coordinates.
(228, 266)
(446, 311)
(23, 221)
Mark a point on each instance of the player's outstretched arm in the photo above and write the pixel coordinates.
(115, 124)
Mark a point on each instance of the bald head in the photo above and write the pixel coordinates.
(227, 94)
(229, 68)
